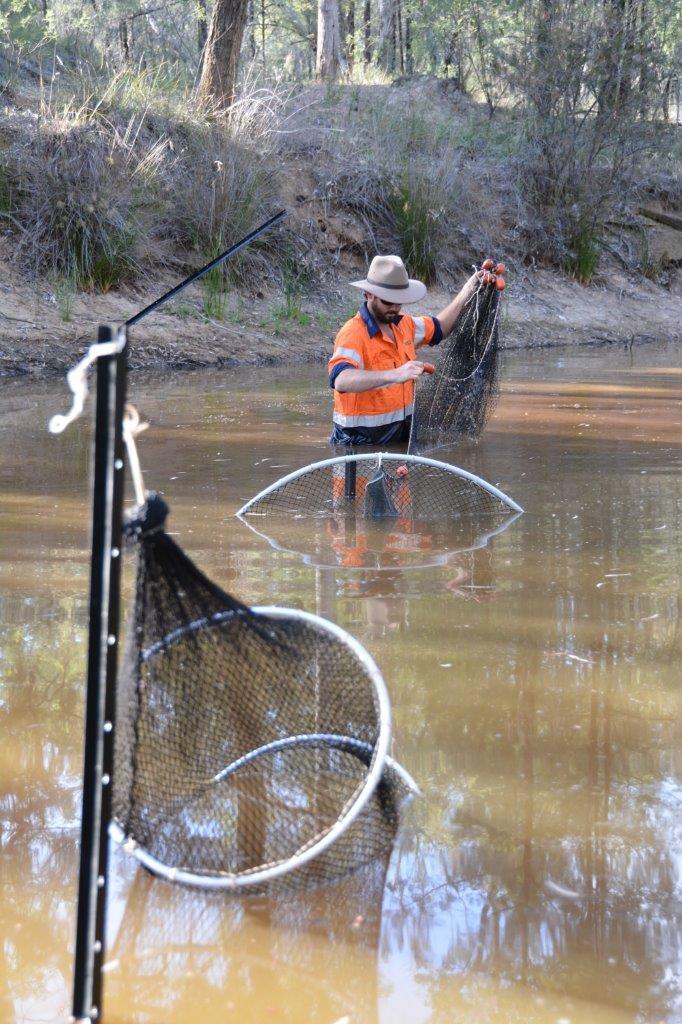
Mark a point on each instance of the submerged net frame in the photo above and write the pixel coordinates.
(380, 485)
(457, 399)
(251, 743)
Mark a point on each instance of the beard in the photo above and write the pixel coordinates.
(381, 317)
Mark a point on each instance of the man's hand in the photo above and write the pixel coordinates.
(409, 371)
(448, 317)
(473, 282)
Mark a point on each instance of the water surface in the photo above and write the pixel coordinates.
(535, 691)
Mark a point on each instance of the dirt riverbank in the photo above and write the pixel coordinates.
(542, 309)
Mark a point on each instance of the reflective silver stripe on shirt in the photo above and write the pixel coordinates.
(419, 329)
(349, 353)
(374, 421)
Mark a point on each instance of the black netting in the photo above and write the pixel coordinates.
(244, 739)
(457, 399)
(381, 486)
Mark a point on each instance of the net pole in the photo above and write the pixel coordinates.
(105, 563)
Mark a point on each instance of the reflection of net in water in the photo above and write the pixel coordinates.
(249, 742)
(182, 951)
(382, 486)
(458, 398)
(355, 542)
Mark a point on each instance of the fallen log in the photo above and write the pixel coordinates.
(671, 220)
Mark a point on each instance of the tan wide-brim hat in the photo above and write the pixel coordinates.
(388, 279)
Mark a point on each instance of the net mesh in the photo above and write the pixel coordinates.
(245, 741)
(381, 486)
(458, 398)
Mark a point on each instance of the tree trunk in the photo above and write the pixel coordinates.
(262, 31)
(123, 37)
(202, 28)
(386, 45)
(409, 62)
(367, 27)
(221, 56)
(618, 57)
(330, 61)
(543, 60)
(350, 33)
(251, 20)
(399, 35)
(643, 34)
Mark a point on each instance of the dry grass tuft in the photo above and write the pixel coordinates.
(222, 186)
(78, 195)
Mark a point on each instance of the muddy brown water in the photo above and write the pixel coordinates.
(535, 690)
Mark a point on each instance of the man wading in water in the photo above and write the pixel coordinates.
(374, 365)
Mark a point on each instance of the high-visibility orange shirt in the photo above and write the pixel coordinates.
(383, 414)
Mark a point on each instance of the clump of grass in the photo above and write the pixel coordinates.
(183, 310)
(5, 190)
(294, 281)
(159, 90)
(582, 257)
(223, 187)
(414, 213)
(416, 205)
(78, 196)
(64, 290)
(283, 315)
(650, 266)
(215, 293)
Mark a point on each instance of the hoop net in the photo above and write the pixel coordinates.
(249, 742)
(458, 398)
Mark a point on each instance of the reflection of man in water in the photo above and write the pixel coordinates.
(374, 365)
(384, 601)
(474, 578)
(392, 546)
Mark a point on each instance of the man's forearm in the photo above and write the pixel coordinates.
(355, 381)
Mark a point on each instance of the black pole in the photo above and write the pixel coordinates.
(351, 474)
(107, 511)
(209, 266)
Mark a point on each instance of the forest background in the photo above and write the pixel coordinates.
(139, 139)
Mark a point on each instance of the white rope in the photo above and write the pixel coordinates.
(77, 379)
(132, 426)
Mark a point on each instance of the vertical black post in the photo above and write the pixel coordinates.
(105, 572)
(351, 475)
